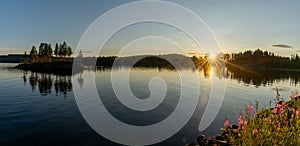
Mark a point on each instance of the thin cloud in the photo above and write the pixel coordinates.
(11, 49)
(192, 53)
(281, 46)
(4, 51)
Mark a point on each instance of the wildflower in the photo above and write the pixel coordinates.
(283, 103)
(250, 107)
(239, 135)
(226, 123)
(275, 110)
(281, 110)
(245, 122)
(254, 131)
(297, 112)
(240, 119)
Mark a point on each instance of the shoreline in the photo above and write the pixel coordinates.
(59, 68)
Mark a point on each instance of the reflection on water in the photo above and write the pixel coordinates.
(29, 119)
(62, 84)
(263, 77)
(46, 82)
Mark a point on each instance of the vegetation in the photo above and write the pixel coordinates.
(273, 126)
(45, 53)
(34, 55)
(264, 59)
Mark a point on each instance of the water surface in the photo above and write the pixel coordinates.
(40, 109)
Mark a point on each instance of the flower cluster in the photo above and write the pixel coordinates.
(279, 125)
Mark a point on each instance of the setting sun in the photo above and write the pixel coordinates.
(212, 55)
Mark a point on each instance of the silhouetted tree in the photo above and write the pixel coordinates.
(34, 55)
(64, 50)
(69, 51)
(48, 52)
(258, 52)
(56, 50)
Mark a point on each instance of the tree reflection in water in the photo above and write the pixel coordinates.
(251, 77)
(263, 77)
(45, 82)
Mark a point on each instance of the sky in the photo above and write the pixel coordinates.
(237, 25)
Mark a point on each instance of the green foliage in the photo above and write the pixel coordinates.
(274, 126)
(46, 52)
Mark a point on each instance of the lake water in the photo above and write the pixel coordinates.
(40, 109)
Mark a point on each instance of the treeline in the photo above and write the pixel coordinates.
(162, 61)
(45, 53)
(264, 59)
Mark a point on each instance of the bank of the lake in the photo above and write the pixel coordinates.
(61, 68)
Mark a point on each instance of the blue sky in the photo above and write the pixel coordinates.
(237, 25)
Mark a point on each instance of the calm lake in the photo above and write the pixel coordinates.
(40, 109)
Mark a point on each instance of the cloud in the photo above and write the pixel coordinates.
(192, 53)
(4, 51)
(281, 46)
(11, 49)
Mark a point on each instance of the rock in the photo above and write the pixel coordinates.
(202, 140)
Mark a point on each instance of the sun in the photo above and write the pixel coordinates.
(212, 56)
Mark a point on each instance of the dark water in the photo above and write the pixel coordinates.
(40, 109)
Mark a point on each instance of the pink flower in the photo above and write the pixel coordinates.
(250, 107)
(245, 122)
(297, 112)
(240, 119)
(281, 110)
(275, 110)
(239, 135)
(283, 103)
(226, 123)
(254, 131)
